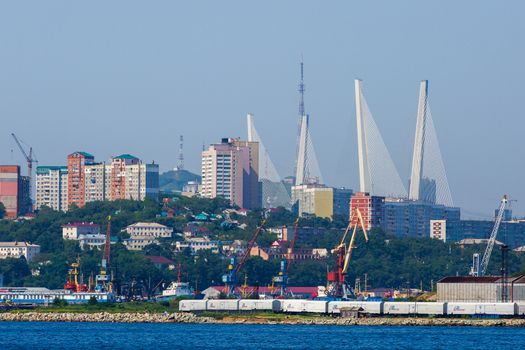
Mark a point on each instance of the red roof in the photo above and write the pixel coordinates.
(155, 259)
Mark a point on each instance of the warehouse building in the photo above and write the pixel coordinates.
(481, 289)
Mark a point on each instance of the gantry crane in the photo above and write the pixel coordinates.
(337, 286)
(230, 279)
(478, 269)
(30, 159)
(103, 279)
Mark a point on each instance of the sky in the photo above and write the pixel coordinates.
(112, 77)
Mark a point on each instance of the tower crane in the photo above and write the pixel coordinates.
(30, 159)
(337, 285)
(479, 269)
(230, 279)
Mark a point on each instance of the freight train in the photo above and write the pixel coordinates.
(372, 308)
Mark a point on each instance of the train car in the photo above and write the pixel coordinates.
(461, 308)
(502, 309)
(222, 305)
(370, 307)
(300, 305)
(258, 304)
(399, 308)
(192, 305)
(431, 308)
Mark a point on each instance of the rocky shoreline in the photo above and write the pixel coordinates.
(183, 317)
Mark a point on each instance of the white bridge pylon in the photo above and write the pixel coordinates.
(377, 172)
(274, 193)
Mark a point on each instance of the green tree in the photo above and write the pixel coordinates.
(2, 210)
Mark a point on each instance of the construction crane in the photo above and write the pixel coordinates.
(481, 269)
(230, 279)
(337, 286)
(103, 279)
(30, 159)
(281, 279)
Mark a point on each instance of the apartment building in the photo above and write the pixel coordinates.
(51, 187)
(18, 249)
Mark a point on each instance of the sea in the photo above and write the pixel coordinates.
(50, 335)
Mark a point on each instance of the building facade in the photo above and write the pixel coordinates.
(342, 197)
(76, 180)
(18, 249)
(407, 218)
(372, 209)
(313, 199)
(146, 233)
(14, 191)
(51, 187)
(229, 170)
(74, 230)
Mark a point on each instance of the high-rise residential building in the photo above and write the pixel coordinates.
(51, 187)
(131, 179)
(96, 181)
(14, 191)
(229, 171)
(371, 208)
(342, 198)
(410, 218)
(313, 199)
(76, 181)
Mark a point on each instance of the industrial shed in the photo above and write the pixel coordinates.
(481, 289)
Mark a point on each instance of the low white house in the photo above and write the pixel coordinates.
(18, 249)
(196, 244)
(75, 229)
(146, 233)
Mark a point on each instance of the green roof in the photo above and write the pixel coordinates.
(46, 168)
(126, 156)
(85, 154)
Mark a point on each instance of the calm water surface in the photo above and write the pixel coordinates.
(49, 335)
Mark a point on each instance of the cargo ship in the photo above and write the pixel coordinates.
(176, 289)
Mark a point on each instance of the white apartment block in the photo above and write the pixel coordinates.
(18, 249)
(196, 244)
(91, 240)
(96, 181)
(230, 170)
(145, 233)
(51, 187)
(74, 230)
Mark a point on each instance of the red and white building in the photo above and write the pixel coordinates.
(372, 209)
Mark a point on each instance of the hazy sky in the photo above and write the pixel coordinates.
(109, 77)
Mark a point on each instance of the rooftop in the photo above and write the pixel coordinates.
(17, 244)
(85, 154)
(157, 259)
(81, 224)
(147, 224)
(125, 156)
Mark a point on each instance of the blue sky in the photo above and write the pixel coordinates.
(130, 76)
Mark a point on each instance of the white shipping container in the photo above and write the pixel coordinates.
(495, 308)
(248, 305)
(454, 308)
(299, 305)
(223, 305)
(192, 305)
(371, 307)
(431, 308)
(399, 308)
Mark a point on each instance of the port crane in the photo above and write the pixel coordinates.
(30, 159)
(479, 269)
(281, 280)
(234, 267)
(337, 285)
(103, 280)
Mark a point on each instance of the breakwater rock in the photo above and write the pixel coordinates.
(178, 317)
(187, 317)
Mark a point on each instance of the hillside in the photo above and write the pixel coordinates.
(174, 180)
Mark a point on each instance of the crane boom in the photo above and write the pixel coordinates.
(249, 248)
(30, 159)
(492, 239)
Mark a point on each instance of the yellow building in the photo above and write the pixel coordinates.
(314, 199)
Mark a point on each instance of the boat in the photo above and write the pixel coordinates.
(176, 289)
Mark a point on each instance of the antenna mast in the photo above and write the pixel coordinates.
(181, 153)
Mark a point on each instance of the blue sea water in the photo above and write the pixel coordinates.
(94, 336)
